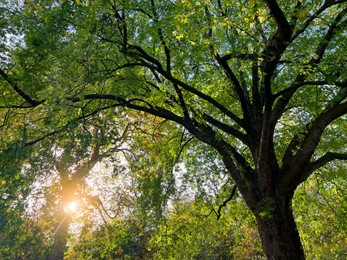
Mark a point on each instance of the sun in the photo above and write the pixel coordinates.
(71, 207)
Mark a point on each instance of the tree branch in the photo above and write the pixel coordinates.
(32, 102)
(158, 67)
(296, 86)
(292, 169)
(241, 56)
(328, 157)
(218, 213)
(226, 128)
(278, 15)
(63, 128)
(237, 87)
(226, 201)
(311, 18)
(161, 37)
(182, 102)
(278, 43)
(313, 63)
(240, 92)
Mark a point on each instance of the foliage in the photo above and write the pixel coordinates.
(20, 236)
(189, 232)
(322, 225)
(119, 239)
(252, 89)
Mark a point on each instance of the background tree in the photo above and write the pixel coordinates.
(323, 192)
(20, 236)
(260, 83)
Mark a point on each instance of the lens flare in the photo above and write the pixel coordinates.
(71, 207)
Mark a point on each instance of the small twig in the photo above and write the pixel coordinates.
(218, 213)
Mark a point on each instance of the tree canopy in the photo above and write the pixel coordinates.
(254, 89)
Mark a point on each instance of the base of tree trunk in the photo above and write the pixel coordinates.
(279, 234)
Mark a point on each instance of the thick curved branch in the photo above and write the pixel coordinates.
(154, 110)
(241, 171)
(313, 63)
(159, 68)
(240, 91)
(246, 186)
(161, 37)
(314, 16)
(32, 102)
(278, 43)
(278, 15)
(296, 86)
(292, 168)
(315, 165)
(201, 131)
(226, 128)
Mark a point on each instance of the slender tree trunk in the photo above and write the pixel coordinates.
(278, 232)
(60, 235)
(60, 240)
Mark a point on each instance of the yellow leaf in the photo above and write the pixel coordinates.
(302, 14)
(261, 18)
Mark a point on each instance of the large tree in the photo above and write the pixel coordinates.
(261, 82)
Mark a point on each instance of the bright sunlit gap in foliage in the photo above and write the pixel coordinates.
(71, 207)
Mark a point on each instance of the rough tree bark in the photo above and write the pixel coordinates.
(277, 228)
(278, 232)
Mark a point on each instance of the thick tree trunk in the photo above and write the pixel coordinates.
(278, 232)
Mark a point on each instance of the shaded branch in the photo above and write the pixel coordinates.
(257, 97)
(241, 56)
(312, 64)
(240, 92)
(161, 37)
(32, 102)
(278, 43)
(181, 150)
(158, 67)
(226, 128)
(328, 157)
(296, 86)
(311, 18)
(292, 168)
(63, 128)
(226, 201)
(278, 15)
(218, 212)
(328, 37)
(182, 102)
(245, 185)
(16, 106)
